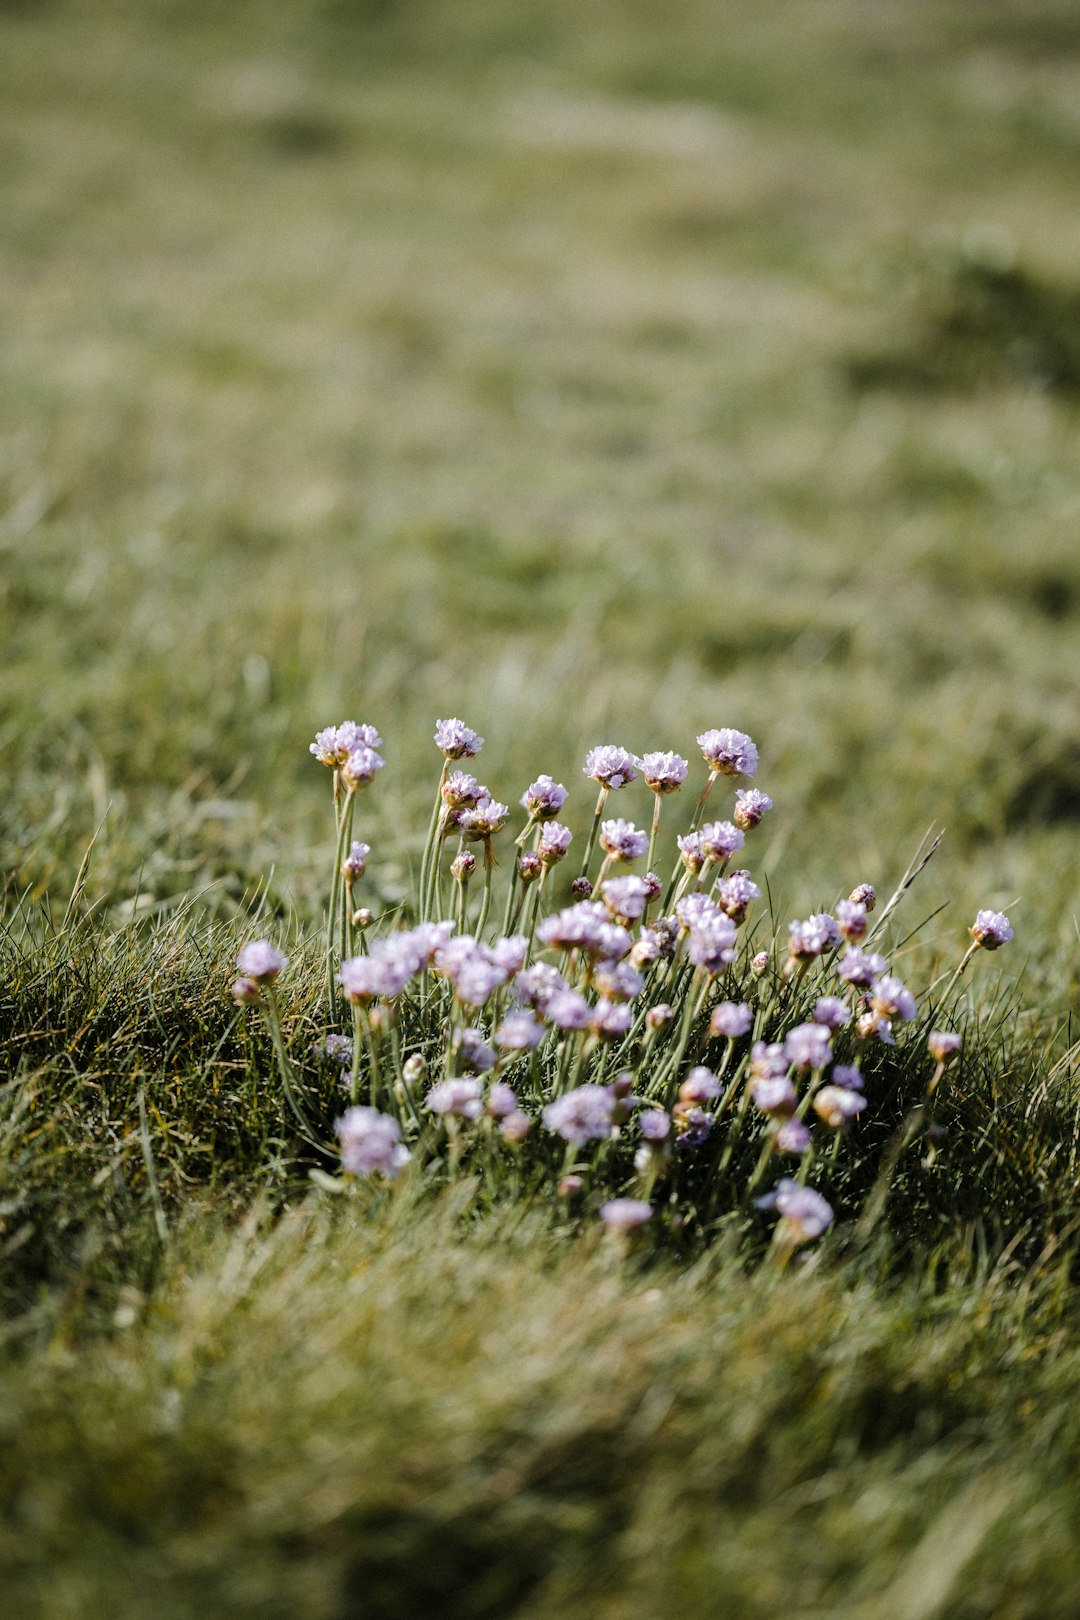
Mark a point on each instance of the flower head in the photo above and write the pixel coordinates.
(832, 1012)
(663, 773)
(336, 1049)
(519, 1032)
(610, 1019)
(569, 1010)
(864, 894)
(730, 1019)
(851, 919)
(535, 986)
(814, 937)
(730, 752)
(610, 766)
(555, 840)
(623, 840)
(792, 1137)
(260, 960)
(774, 1096)
(370, 1142)
(891, 998)
(735, 893)
(944, 1046)
(461, 791)
(751, 807)
(691, 852)
(720, 840)
(991, 929)
(334, 745)
(692, 1125)
(544, 798)
(625, 897)
(361, 767)
(860, 968)
(462, 1098)
(582, 1115)
(654, 1124)
(354, 865)
(836, 1105)
(618, 981)
(700, 1086)
(482, 820)
(848, 1075)
(805, 1214)
(456, 740)
(473, 1052)
(623, 1215)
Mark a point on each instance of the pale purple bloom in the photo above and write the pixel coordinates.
(569, 1010)
(582, 887)
(864, 894)
(735, 892)
(660, 1016)
(361, 767)
(712, 944)
(832, 1012)
(851, 919)
(574, 926)
(519, 1032)
(768, 1062)
(991, 929)
(244, 991)
(759, 963)
(610, 1019)
(473, 1052)
(873, 1026)
(623, 840)
(860, 968)
(544, 798)
(792, 1137)
(663, 773)
(691, 852)
(370, 1143)
(483, 819)
(583, 1115)
(336, 1048)
(622, 1215)
(516, 1126)
(555, 840)
(258, 959)
(836, 1105)
(462, 1098)
(509, 954)
(663, 934)
(731, 1019)
(535, 986)
(529, 866)
(334, 745)
(692, 1125)
(460, 791)
(427, 938)
(751, 806)
(698, 910)
(805, 1213)
(476, 982)
(358, 977)
(700, 1086)
(654, 888)
(774, 1096)
(720, 840)
(456, 740)
(501, 1100)
(618, 981)
(808, 1046)
(847, 1075)
(814, 937)
(728, 751)
(610, 766)
(625, 897)
(944, 1045)
(891, 998)
(655, 1124)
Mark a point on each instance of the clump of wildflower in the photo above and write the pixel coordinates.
(663, 772)
(623, 1215)
(851, 919)
(333, 746)
(730, 1020)
(837, 1105)
(569, 1010)
(712, 943)
(991, 929)
(804, 1213)
(370, 1143)
(544, 798)
(944, 1046)
(456, 740)
(768, 1061)
(728, 752)
(610, 766)
(463, 1099)
(751, 808)
(659, 1016)
(260, 960)
(582, 1115)
(622, 840)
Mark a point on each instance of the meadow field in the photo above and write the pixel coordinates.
(599, 374)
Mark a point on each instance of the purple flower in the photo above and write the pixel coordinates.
(808, 1046)
(712, 944)
(370, 1143)
(544, 798)
(864, 894)
(660, 939)
(860, 968)
(832, 1012)
(729, 752)
(476, 982)
(625, 897)
(623, 840)
(735, 892)
(358, 977)
(244, 991)
(813, 937)
(805, 1213)
(535, 986)
(720, 840)
(334, 745)
(456, 740)
(355, 863)
(700, 1086)
(583, 1115)
(569, 1010)
(872, 1026)
(516, 1126)
(891, 998)
(751, 807)
(663, 773)
(730, 1019)
(691, 852)
(519, 1032)
(336, 1048)
(836, 1105)
(611, 767)
(692, 1125)
(555, 840)
(851, 919)
(509, 954)
(792, 1137)
(622, 1215)
(473, 1052)
(501, 1100)
(482, 820)
(462, 1098)
(574, 926)
(655, 1124)
(774, 1096)
(660, 1016)
(461, 791)
(361, 767)
(426, 939)
(847, 1075)
(768, 1062)
(944, 1046)
(610, 1020)
(260, 960)
(698, 910)
(759, 963)
(618, 981)
(991, 929)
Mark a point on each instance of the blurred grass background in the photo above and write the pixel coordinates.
(599, 374)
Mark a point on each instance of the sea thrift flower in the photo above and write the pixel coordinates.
(501, 1100)
(334, 745)
(654, 888)
(473, 1052)
(836, 1105)
(610, 1020)
(697, 910)
(463, 866)
(618, 981)
(735, 892)
(535, 986)
(623, 840)
(516, 1126)
(805, 1214)
(774, 1096)
(355, 863)
(483, 819)
(691, 852)
(623, 1215)
(864, 894)
(624, 897)
(370, 1143)
(944, 1046)
(848, 1075)
(529, 867)
(663, 773)
(244, 991)
(574, 926)
(730, 1019)
(509, 954)
(891, 998)
(768, 1062)
(414, 1069)
(832, 1012)
(460, 791)
(361, 767)
(260, 960)
(569, 1010)
(813, 937)
(712, 944)
(476, 982)
(991, 929)
(336, 1048)
(851, 919)
(555, 840)
(692, 1125)
(655, 1125)
(871, 1026)
(759, 963)
(792, 1137)
(660, 1016)
(751, 807)
(860, 968)
(583, 1115)
(730, 752)
(456, 740)
(611, 767)
(544, 798)
(720, 840)
(519, 1032)
(700, 1086)
(581, 888)
(461, 1098)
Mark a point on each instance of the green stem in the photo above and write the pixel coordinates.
(601, 800)
(485, 904)
(654, 829)
(429, 843)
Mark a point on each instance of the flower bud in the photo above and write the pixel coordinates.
(529, 866)
(660, 1016)
(864, 894)
(623, 1084)
(245, 991)
(581, 888)
(463, 866)
(362, 918)
(944, 1046)
(759, 964)
(570, 1186)
(414, 1069)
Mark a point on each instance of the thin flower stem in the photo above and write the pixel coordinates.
(358, 1040)
(433, 827)
(485, 904)
(601, 800)
(336, 884)
(699, 809)
(285, 1069)
(654, 829)
(964, 960)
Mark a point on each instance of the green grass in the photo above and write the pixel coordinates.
(598, 374)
